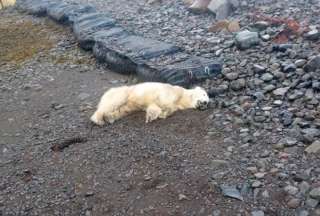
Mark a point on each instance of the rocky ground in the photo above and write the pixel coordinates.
(254, 152)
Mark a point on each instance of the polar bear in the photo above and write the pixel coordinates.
(158, 100)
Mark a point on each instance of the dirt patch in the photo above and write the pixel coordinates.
(21, 39)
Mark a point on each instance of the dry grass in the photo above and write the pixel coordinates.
(20, 40)
(23, 39)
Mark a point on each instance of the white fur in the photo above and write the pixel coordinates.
(158, 100)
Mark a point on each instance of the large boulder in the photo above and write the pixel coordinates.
(222, 8)
(313, 64)
(246, 39)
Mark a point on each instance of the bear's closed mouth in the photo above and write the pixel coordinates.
(202, 105)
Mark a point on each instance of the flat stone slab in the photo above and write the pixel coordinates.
(180, 69)
(92, 25)
(67, 13)
(87, 41)
(124, 54)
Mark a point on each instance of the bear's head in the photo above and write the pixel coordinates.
(200, 98)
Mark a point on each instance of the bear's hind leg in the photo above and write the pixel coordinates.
(119, 113)
(152, 113)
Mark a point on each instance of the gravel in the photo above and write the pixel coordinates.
(264, 118)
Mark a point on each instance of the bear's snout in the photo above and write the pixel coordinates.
(202, 105)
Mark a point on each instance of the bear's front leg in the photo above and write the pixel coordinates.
(98, 118)
(152, 112)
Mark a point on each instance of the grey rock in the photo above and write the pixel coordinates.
(182, 197)
(294, 203)
(232, 76)
(57, 106)
(238, 84)
(316, 85)
(262, 163)
(281, 91)
(265, 194)
(280, 75)
(300, 62)
(258, 68)
(295, 95)
(221, 8)
(218, 163)
(289, 68)
(260, 118)
(278, 102)
(286, 117)
(313, 64)
(114, 81)
(219, 52)
(288, 141)
(261, 25)
(309, 95)
(216, 213)
(267, 77)
(304, 187)
(313, 34)
(245, 189)
(231, 191)
(310, 134)
(234, 3)
(214, 40)
(199, 5)
(257, 82)
(228, 43)
(275, 66)
(281, 47)
(316, 212)
(303, 213)
(265, 37)
(291, 190)
(257, 213)
(315, 193)
(259, 96)
(256, 184)
(247, 39)
(269, 88)
(265, 154)
(312, 203)
(314, 147)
